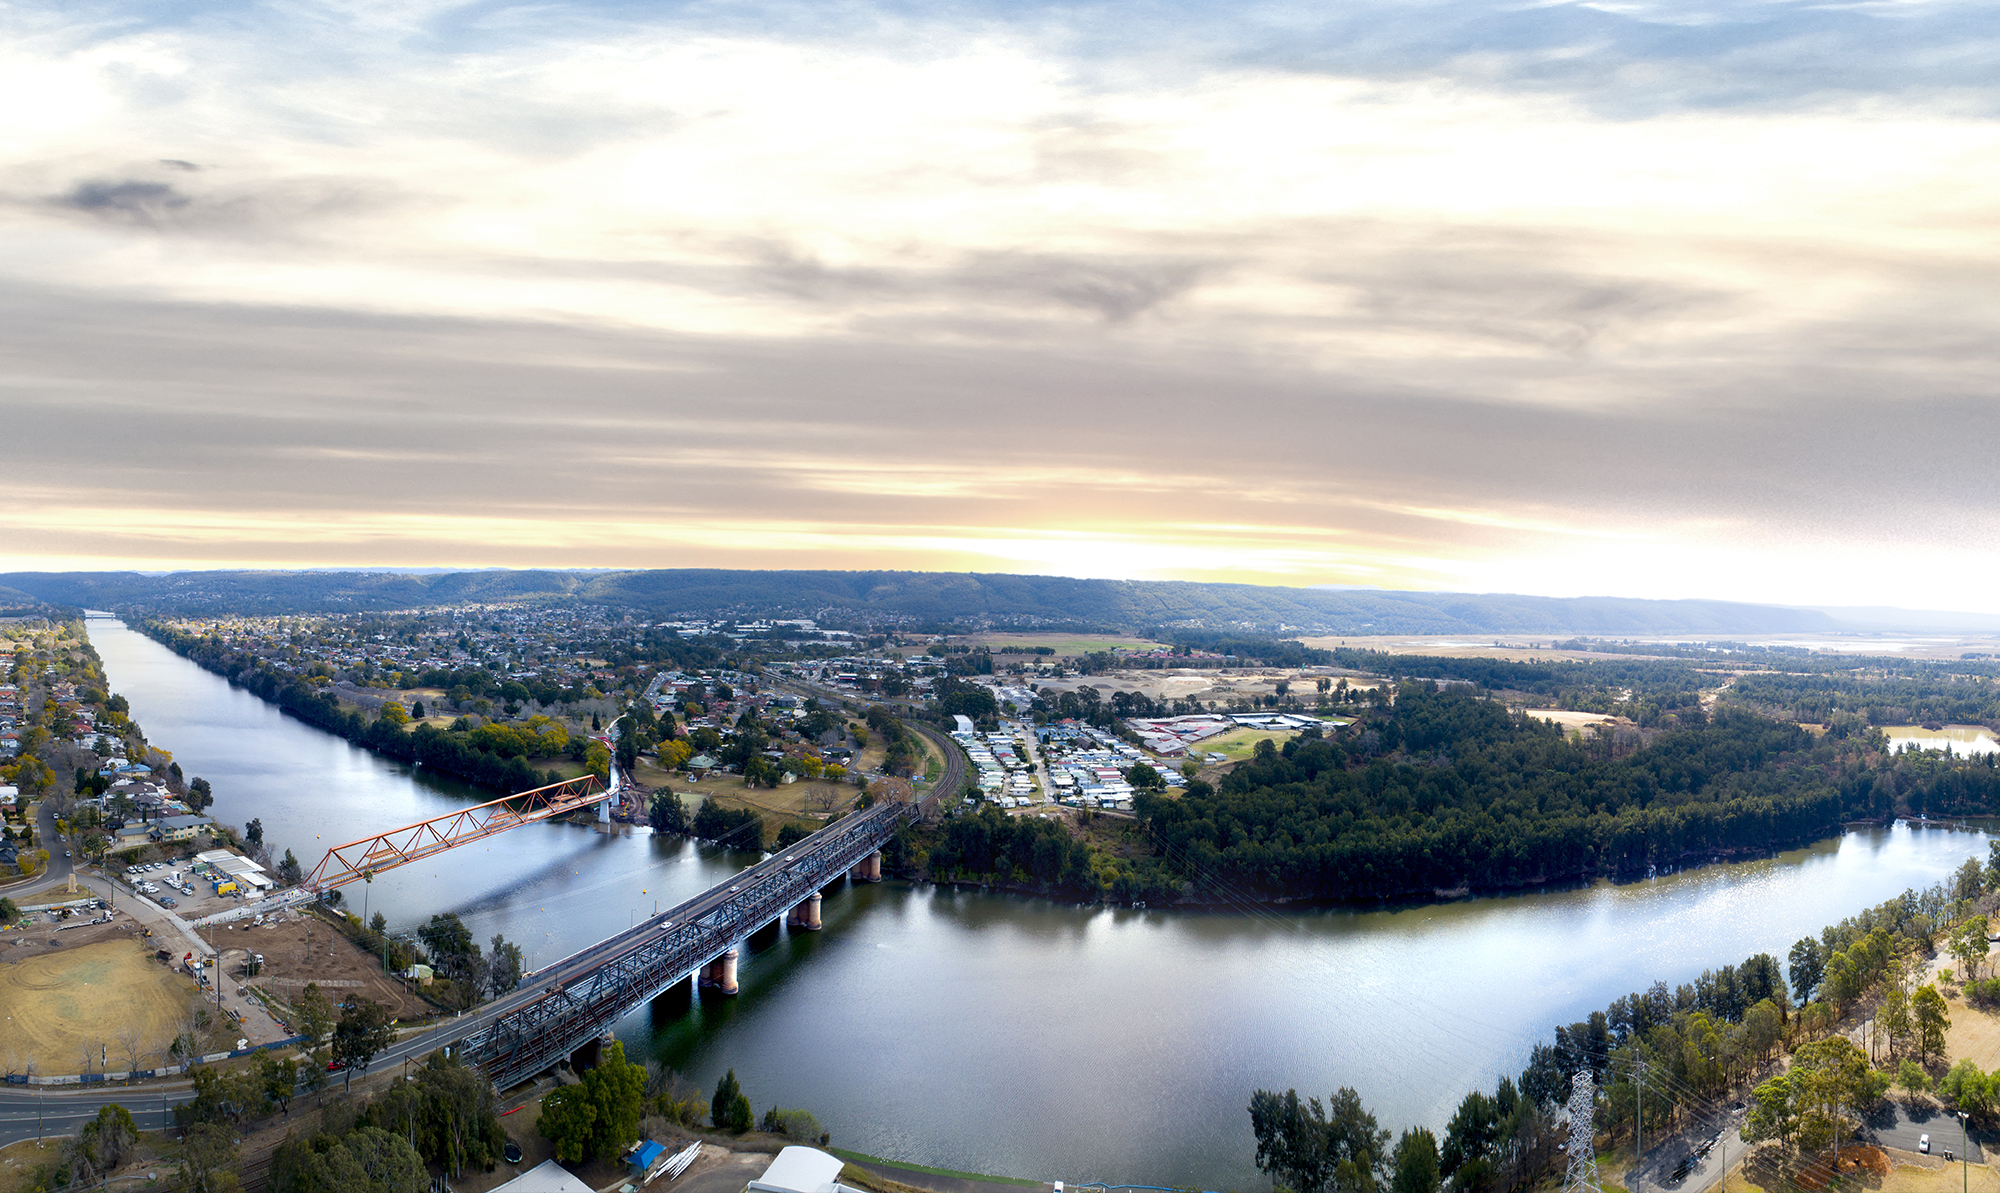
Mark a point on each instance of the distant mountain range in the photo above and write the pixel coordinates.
(921, 599)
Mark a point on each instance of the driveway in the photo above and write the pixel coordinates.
(1897, 1125)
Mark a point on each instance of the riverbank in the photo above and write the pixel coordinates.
(427, 746)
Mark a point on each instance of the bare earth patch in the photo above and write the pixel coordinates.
(65, 1001)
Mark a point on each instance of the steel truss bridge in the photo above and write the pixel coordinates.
(593, 989)
(364, 859)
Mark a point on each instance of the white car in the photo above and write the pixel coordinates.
(1924, 1144)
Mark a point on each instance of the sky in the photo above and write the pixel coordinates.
(1648, 299)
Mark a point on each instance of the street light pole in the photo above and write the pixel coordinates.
(1964, 1152)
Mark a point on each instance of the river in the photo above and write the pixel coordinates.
(1010, 1035)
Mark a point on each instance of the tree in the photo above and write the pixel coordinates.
(1356, 1144)
(1968, 945)
(1772, 1113)
(221, 1097)
(199, 795)
(362, 1033)
(456, 1104)
(289, 871)
(569, 1120)
(278, 1078)
(617, 1090)
(367, 1160)
(1470, 1134)
(1893, 1018)
(100, 1146)
(1828, 1079)
(666, 813)
(1415, 1161)
(1291, 1138)
(1911, 1076)
(1144, 777)
(208, 1160)
(1927, 1009)
(730, 1108)
(1763, 1027)
(455, 955)
(253, 832)
(313, 1017)
(504, 973)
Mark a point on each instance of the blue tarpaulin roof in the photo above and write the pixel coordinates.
(643, 1158)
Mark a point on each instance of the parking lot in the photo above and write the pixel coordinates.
(181, 886)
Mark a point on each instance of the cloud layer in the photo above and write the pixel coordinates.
(1659, 301)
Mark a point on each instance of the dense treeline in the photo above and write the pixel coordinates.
(457, 755)
(1896, 693)
(1642, 689)
(988, 844)
(1448, 789)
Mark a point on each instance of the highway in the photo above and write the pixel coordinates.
(61, 1109)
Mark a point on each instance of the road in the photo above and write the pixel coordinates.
(1712, 1142)
(62, 1109)
(59, 866)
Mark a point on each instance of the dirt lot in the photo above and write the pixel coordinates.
(300, 949)
(62, 1001)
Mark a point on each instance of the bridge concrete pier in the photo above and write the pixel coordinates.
(806, 915)
(720, 974)
(869, 869)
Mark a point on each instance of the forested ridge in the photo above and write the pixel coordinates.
(1448, 789)
(920, 598)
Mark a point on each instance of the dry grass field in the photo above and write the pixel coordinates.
(1065, 645)
(61, 1003)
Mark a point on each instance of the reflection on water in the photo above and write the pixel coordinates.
(1018, 1036)
(1963, 739)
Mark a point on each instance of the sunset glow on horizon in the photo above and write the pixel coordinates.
(1653, 300)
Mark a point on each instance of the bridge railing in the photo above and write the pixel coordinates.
(370, 856)
(600, 986)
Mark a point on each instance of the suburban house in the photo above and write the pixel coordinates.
(180, 828)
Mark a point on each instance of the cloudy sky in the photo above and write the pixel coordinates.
(1685, 298)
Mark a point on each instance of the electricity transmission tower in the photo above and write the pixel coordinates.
(1582, 1174)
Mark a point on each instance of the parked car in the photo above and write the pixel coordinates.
(169, 901)
(1924, 1143)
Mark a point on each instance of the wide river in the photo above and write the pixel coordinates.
(1021, 1037)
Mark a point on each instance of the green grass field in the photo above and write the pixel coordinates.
(1239, 744)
